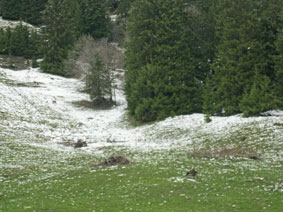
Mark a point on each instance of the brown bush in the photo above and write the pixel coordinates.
(114, 160)
(225, 153)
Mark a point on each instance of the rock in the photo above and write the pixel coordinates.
(69, 143)
(192, 173)
(80, 143)
(253, 157)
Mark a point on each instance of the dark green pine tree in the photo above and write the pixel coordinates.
(11, 9)
(260, 97)
(19, 41)
(124, 7)
(4, 41)
(160, 81)
(32, 11)
(34, 45)
(279, 69)
(240, 54)
(278, 82)
(201, 25)
(60, 33)
(1, 7)
(99, 83)
(95, 20)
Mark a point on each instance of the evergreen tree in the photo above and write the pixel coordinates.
(259, 99)
(11, 9)
(99, 83)
(160, 81)
(279, 68)
(278, 82)
(241, 53)
(19, 41)
(201, 25)
(1, 7)
(95, 18)
(34, 45)
(124, 7)
(32, 10)
(25, 10)
(4, 41)
(60, 33)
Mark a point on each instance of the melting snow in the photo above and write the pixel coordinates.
(13, 24)
(45, 116)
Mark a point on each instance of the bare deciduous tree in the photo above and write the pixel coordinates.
(84, 52)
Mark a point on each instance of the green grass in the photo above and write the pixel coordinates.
(155, 183)
(34, 178)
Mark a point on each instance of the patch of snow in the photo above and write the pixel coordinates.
(46, 116)
(13, 24)
(113, 18)
(273, 113)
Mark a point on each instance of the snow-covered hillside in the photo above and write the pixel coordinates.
(37, 108)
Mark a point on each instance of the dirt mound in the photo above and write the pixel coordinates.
(79, 144)
(226, 153)
(114, 160)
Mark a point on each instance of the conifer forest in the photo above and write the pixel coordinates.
(176, 104)
(185, 56)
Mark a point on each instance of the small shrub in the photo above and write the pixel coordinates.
(99, 83)
(207, 118)
(34, 63)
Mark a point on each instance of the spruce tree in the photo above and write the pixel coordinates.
(95, 19)
(279, 68)
(124, 7)
(3, 42)
(32, 10)
(19, 41)
(11, 9)
(160, 81)
(60, 33)
(278, 58)
(239, 54)
(99, 83)
(259, 99)
(246, 32)
(34, 45)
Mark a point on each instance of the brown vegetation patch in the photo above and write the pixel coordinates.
(14, 63)
(226, 153)
(28, 84)
(278, 124)
(79, 144)
(93, 105)
(114, 160)
(14, 83)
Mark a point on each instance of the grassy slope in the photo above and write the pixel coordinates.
(38, 178)
(56, 181)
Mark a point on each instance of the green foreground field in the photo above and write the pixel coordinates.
(47, 180)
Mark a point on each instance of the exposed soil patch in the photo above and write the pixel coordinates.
(14, 63)
(79, 144)
(15, 83)
(114, 160)
(278, 124)
(92, 105)
(225, 153)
